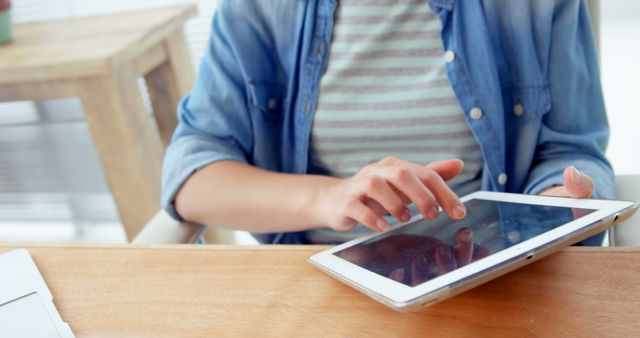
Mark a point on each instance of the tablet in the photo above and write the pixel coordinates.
(420, 262)
(26, 305)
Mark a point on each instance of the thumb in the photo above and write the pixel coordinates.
(577, 184)
(447, 169)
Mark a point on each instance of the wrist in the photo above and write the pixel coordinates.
(321, 199)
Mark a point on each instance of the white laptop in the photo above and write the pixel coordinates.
(26, 305)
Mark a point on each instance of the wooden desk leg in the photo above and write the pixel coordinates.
(168, 83)
(127, 144)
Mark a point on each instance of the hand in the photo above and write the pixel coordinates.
(575, 185)
(387, 187)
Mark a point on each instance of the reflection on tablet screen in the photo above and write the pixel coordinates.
(424, 250)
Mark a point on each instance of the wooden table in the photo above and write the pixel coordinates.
(185, 291)
(99, 60)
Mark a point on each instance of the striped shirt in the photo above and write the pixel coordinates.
(385, 92)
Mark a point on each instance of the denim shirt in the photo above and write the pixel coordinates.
(524, 72)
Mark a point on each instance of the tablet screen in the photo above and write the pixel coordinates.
(422, 250)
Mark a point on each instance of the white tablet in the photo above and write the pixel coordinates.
(26, 305)
(420, 262)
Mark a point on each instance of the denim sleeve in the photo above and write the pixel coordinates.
(214, 123)
(575, 131)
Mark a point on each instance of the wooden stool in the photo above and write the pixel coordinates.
(99, 60)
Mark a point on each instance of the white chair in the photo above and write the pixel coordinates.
(628, 232)
(162, 229)
(627, 186)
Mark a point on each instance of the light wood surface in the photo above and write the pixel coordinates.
(73, 47)
(99, 60)
(169, 82)
(207, 291)
(127, 144)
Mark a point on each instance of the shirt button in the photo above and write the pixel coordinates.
(476, 113)
(449, 56)
(518, 109)
(502, 179)
(272, 103)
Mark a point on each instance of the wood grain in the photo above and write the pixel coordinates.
(168, 83)
(37, 91)
(127, 144)
(189, 291)
(85, 46)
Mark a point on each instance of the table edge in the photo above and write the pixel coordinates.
(274, 248)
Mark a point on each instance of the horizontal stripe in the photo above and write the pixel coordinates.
(383, 3)
(468, 172)
(384, 19)
(364, 10)
(421, 121)
(361, 47)
(379, 72)
(326, 148)
(381, 54)
(475, 162)
(465, 188)
(391, 114)
(391, 80)
(409, 95)
(410, 137)
(423, 157)
(385, 63)
(441, 112)
(378, 89)
(401, 150)
(464, 178)
(382, 29)
(387, 130)
(340, 170)
(390, 36)
(470, 169)
(337, 150)
(356, 106)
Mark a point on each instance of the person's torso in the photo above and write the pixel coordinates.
(498, 74)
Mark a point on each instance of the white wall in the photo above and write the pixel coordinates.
(620, 67)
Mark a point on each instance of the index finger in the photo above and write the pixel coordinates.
(446, 197)
(447, 169)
